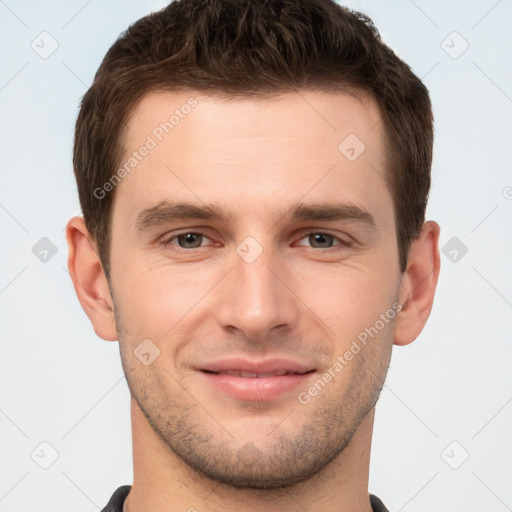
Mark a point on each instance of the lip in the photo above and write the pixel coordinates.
(256, 388)
(251, 366)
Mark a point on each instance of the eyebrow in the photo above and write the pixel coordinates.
(167, 211)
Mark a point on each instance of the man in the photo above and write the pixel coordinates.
(253, 177)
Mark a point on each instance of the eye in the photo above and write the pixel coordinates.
(325, 241)
(185, 241)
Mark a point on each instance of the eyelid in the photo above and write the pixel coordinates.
(320, 231)
(167, 239)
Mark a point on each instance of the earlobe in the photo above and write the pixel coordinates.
(418, 285)
(89, 279)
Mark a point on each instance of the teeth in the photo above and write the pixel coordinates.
(248, 374)
(236, 373)
(231, 372)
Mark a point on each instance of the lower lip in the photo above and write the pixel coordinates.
(256, 388)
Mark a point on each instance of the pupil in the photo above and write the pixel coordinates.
(321, 238)
(189, 239)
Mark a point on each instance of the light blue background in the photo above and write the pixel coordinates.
(61, 384)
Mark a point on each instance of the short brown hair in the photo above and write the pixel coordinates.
(254, 48)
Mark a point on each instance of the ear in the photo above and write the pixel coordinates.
(418, 284)
(89, 279)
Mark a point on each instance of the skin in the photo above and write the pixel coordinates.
(195, 448)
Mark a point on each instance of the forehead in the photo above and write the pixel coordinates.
(303, 115)
(253, 151)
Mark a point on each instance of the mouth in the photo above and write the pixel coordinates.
(247, 380)
(252, 375)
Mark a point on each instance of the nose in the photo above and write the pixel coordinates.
(257, 297)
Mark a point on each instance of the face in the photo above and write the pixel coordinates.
(255, 278)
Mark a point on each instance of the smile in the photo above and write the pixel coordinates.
(238, 373)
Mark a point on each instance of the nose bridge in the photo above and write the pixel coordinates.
(255, 299)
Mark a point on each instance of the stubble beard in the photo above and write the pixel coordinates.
(288, 458)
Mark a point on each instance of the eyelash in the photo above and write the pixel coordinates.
(166, 242)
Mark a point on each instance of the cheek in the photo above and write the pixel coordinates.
(347, 299)
(341, 299)
(154, 300)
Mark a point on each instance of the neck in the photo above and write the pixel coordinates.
(162, 482)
